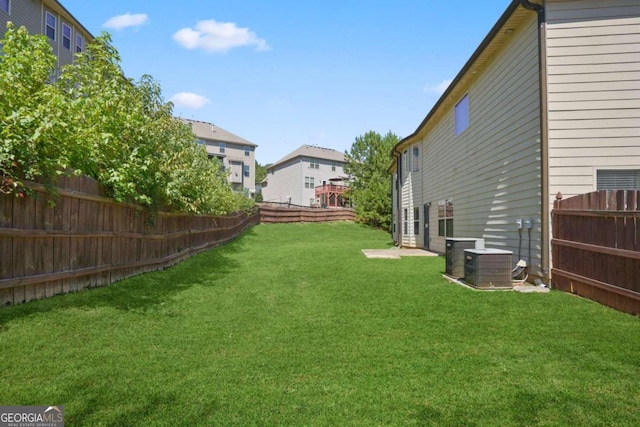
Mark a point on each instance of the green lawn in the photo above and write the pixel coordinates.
(292, 325)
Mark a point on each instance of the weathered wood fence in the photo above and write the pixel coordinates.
(88, 240)
(596, 247)
(271, 213)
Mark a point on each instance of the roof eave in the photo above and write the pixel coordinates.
(461, 74)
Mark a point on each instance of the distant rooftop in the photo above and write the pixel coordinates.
(211, 132)
(314, 152)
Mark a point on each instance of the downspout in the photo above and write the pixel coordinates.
(396, 183)
(544, 133)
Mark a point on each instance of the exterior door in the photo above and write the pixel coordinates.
(426, 226)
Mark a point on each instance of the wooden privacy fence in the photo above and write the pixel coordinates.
(271, 213)
(596, 247)
(88, 240)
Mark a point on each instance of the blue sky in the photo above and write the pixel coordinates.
(285, 73)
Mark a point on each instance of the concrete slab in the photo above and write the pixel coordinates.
(517, 286)
(395, 253)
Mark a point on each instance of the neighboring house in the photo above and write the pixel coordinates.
(237, 155)
(66, 35)
(548, 103)
(309, 176)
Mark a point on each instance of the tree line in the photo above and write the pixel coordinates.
(88, 118)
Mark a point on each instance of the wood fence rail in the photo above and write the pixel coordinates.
(88, 240)
(282, 213)
(596, 247)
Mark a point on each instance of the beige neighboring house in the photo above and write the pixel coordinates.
(548, 103)
(307, 177)
(236, 154)
(66, 35)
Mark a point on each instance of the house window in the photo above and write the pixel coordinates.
(309, 182)
(416, 159)
(314, 164)
(462, 115)
(618, 179)
(247, 170)
(79, 43)
(333, 167)
(416, 220)
(405, 159)
(4, 5)
(222, 147)
(50, 25)
(445, 218)
(66, 36)
(406, 221)
(247, 151)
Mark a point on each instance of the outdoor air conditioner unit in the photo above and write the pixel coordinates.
(454, 254)
(488, 268)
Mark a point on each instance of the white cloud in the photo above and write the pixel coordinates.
(439, 88)
(189, 100)
(127, 20)
(214, 36)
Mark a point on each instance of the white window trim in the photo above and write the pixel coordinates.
(64, 25)
(79, 46)
(47, 26)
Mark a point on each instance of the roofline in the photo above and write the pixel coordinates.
(483, 45)
(285, 159)
(244, 141)
(65, 10)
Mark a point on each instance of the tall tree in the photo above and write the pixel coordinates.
(370, 188)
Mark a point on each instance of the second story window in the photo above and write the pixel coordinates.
(79, 43)
(4, 5)
(333, 167)
(416, 159)
(246, 170)
(247, 151)
(223, 147)
(50, 25)
(66, 36)
(314, 164)
(462, 115)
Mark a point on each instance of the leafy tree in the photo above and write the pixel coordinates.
(261, 171)
(370, 187)
(32, 129)
(95, 121)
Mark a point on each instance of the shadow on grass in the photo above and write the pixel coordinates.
(144, 291)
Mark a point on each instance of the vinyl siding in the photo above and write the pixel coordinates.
(288, 179)
(31, 15)
(491, 171)
(593, 51)
(283, 181)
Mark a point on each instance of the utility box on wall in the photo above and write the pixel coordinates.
(488, 268)
(454, 254)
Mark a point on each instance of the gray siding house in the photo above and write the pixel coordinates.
(295, 177)
(66, 35)
(236, 154)
(548, 103)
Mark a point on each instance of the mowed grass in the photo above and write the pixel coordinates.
(292, 325)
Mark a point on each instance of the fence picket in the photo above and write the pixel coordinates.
(603, 264)
(87, 240)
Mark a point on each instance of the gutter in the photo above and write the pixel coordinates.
(544, 134)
